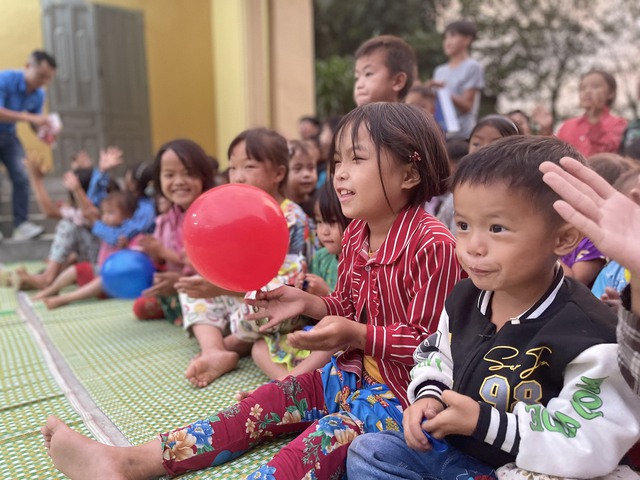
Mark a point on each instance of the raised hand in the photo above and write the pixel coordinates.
(607, 217)
(70, 181)
(110, 158)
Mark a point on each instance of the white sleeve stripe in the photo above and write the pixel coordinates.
(511, 433)
(429, 390)
(494, 425)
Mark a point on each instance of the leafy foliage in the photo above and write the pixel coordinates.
(340, 28)
(531, 48)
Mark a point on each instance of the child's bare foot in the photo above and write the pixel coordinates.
(243, 394)
(80, 457)
(54, 302)
(42, 294)
(9, 278)
(206, 367)
(28, 281)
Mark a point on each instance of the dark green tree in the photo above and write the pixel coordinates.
(531, 48)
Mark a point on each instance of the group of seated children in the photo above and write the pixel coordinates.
(517, 370)
(515, 366)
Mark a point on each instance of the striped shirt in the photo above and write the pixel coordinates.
(401, 291)
(629, 348)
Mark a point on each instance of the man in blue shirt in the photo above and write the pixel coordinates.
(21, 100)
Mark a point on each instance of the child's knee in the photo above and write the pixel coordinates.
(258, 348)
(147, 308)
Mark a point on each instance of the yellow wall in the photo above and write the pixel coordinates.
(229, 43)
(215, 67)
(20, 34)
(292, 65)
(179, 64)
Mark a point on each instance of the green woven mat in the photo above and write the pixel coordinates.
(134, 371)
(28, 394)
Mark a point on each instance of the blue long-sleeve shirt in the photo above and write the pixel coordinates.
(98, 187)
(142, 221)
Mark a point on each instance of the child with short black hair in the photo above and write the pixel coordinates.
(489, 129)
(385, 70)
(423, 97)
(302, 176)
(523, 367)
(462, 75)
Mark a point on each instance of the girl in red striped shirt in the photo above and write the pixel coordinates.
(397, 266)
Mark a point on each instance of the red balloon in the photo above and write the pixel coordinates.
(236, 237)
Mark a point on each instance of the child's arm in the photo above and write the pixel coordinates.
(159, 252)
(163, 284)
(464, 103)
(37, 185)
(283, 303)
(142, 221)
(471, 87)
(582, 433)
(430, 378)
(99, 183)
(330, 333)
(197, 287)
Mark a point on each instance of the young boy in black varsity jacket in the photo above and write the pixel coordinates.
(523, 366)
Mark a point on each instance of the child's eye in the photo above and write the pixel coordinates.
(462, 226)
(496, 229)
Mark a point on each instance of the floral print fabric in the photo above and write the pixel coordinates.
(330, 407)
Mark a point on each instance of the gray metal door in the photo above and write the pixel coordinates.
(100, 89)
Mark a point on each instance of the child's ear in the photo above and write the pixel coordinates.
(635, 195)
(399, 81)
(281, 171)
(567, 239)
(411, 177)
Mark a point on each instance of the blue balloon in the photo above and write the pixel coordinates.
(127, 273)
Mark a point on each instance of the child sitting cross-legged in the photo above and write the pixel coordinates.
(523, 367)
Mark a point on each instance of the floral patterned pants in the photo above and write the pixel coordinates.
(330, 407)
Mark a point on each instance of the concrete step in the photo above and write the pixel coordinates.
(15, 251)
(54, 187)
(12, 251)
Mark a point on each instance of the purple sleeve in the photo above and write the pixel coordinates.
(584, 252)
